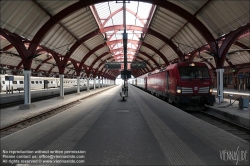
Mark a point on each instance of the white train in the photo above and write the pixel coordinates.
(38, 82)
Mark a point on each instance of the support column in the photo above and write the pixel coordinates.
(78, 84)
(220, 85)
(27, 96)
(99, 82)
(61, 86)
(87, 84)
(102, 82)
(94, 82)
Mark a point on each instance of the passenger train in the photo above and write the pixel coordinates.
(38, 82)
(188, 85)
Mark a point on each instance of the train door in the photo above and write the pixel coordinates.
(167, 80)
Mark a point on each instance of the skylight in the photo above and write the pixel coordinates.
(111, 14)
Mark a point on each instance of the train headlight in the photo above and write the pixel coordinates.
(211, 90)
(178, 89)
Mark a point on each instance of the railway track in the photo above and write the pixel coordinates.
(227, 126)
(35, 119)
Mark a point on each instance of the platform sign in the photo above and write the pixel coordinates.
(9, 78)
(113, 66)
(138, 65)
(240, 76)
(126, 73)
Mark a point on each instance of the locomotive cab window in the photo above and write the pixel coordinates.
(193, 72)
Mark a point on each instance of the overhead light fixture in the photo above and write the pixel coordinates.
(141, 38)
(105, 37)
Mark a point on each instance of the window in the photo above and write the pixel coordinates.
(36, 82)
(3, 82)
(21, 82)
(51, 82)
(193, 72)
(230, 79)
(14, 82)
(41, 82)
(32, 82)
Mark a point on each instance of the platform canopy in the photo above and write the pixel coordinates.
(77, 38)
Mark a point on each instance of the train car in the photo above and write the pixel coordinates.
(141, 82)
(17, 82)
(188, 85)
(52, 82)
(67, 82)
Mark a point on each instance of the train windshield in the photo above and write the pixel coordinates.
(193, 72)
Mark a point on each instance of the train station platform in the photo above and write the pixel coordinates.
(38, 93)
(232, 112)
(12, 115)
(236, 93)
(143, 130)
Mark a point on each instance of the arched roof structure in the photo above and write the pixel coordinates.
(78, 37)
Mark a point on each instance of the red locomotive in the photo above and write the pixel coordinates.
(188, 85)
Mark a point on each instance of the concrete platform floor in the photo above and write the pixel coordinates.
(143, 130)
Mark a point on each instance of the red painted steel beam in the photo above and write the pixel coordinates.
(149, 57)
(44, 61)
(149, 65)
(241, 45)
(52, 52)
(197, 12)
(76, 66)
(78, 43)
(121, 9)
(97, 59)
(227, 43)
(196, 23)
(121, 27)
(81, 4)
(6, 48)
(135, 42)
(156, 51)
(17, 42)
(167, 41)
(90, 53)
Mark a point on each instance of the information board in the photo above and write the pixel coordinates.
(138, 65)
(9, 78)
(126, 73)
(113, 66)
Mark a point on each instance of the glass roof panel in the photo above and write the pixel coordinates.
(111, 14)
